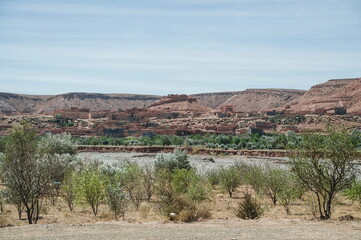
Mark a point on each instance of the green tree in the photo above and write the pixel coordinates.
(324, 165)
(68, 189)
(230, 179)
(275, 180)
(91, 187)
(28, 171)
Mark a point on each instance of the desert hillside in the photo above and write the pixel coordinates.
(214, 100)
(262, 99)
(10, 103)
(180, 103)
(331, 94)
(326, 96)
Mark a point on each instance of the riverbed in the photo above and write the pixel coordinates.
(202, 163)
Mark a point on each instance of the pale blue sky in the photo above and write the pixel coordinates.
(176, 46)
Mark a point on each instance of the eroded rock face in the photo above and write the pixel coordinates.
(214, 100)
(253, 100)
(335, 93)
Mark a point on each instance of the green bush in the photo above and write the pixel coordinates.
(116, 199)
(354, 193)
(230, 179)
(213, 177)
(171, 162)
(68, 189)
(91, 187)
(255, 177)
(275, 181)
(292, 190)
(249, 208)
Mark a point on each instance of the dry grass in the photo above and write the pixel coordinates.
(220, 206)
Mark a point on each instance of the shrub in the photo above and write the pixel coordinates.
(181, 191)
(5, 222)
(213, 177)
(194, 212)
(68, 189)
(189, 183)
(249, 208)
(354, 193)
(131, 179)
(148, 181)
(230, 179)
(171, 162)
(116, 199)
(255, 177)
(292, 190)
(275, 181)
(91, 184)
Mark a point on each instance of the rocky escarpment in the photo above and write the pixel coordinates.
(252, 100)
(335, 93)
(214, 100)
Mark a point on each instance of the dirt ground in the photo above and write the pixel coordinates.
(211, 229)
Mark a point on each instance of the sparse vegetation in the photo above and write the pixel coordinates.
(173, 185)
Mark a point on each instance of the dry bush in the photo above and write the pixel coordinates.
(193, 213)
(144, 210)
(5, 222)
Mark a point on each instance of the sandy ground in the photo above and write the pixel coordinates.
(212, 229)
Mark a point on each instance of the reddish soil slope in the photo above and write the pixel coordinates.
(329, 95)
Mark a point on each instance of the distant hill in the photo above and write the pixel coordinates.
(180, 103)
(10, 103)
(331, 94)
(214, 100)
(262, 99)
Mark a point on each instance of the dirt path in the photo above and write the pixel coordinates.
(215, 229)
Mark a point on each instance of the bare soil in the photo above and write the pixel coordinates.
(212, 229)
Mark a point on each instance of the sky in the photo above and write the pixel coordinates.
(176, 46)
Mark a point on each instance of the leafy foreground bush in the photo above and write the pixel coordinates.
(249, 208)
(230, 179)
(30, 168)
(324, 164)
(179, 189)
